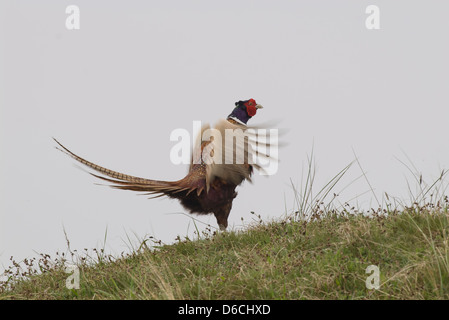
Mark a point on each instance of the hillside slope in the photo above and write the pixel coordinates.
(323, 259)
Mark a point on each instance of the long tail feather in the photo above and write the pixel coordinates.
(128, 182)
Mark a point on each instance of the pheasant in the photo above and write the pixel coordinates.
(209, 186)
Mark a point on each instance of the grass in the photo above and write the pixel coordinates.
(319, 259)
(319, 251)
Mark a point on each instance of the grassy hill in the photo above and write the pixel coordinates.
(325, 258)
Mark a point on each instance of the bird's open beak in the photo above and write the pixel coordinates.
(258, 106)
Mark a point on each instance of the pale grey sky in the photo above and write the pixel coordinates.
(114, 90)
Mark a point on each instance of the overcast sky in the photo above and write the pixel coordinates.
(115, 89)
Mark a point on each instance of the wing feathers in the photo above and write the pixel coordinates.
(234, 156)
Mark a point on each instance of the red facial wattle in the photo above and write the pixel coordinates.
(251, 107)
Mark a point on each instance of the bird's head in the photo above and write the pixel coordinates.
(244, 110)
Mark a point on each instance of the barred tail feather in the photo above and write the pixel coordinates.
(128, 182)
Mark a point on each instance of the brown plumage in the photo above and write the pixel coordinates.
(209, 186)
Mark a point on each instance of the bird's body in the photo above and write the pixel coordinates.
(209, 187)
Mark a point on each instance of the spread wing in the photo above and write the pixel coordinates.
(230, 151)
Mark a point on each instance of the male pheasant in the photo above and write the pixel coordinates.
(209, 186)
